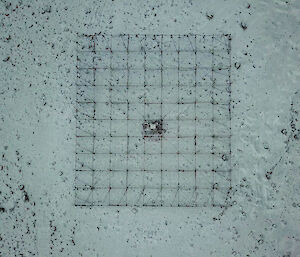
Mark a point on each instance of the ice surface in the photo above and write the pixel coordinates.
(38, 93)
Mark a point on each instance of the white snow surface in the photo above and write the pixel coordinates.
(37, 132)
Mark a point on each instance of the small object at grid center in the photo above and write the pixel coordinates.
(153, 128)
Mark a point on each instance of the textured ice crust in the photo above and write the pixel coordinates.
(37, 126)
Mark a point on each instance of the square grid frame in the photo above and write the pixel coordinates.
(126, 80)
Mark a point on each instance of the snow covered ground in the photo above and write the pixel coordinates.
(37, 132)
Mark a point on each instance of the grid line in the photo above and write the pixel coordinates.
(195, 109)
(178, 68)
(127, 87)
(161, 118)
(213, 117)
(144, 154)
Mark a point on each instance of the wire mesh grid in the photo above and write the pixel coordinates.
(153, 120)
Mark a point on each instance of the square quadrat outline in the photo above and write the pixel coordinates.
(183, 83)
